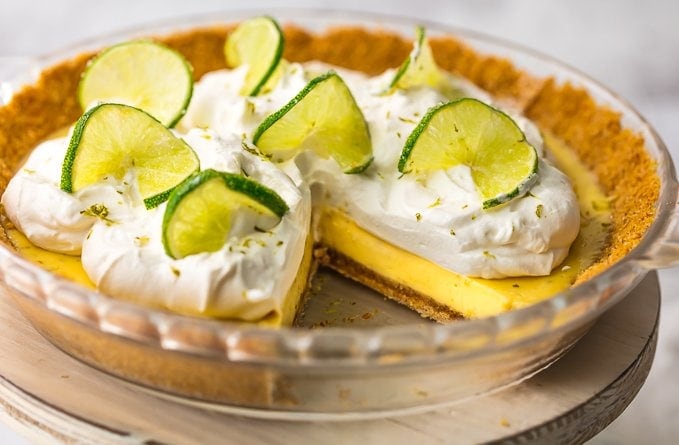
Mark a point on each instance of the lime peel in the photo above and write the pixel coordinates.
(141, 73)
(199, 211)
(110, 139)
(259, 43)
(469, 132)
(419, 68)
(323, 117)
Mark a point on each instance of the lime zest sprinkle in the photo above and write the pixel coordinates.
(142, 240)
(407, 120)
(538, 210)
(436, 203)
(487, 254)
(99, 211)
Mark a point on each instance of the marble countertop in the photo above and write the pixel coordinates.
(631, 47)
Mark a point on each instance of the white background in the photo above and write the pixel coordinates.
(631, 46)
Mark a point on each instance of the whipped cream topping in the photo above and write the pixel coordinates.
(122, 252)
(439, 218)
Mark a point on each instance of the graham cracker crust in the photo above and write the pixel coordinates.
(422, 304)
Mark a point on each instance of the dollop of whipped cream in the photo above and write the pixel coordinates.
(439, 218)
(122, 249)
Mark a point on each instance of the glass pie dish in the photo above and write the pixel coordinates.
(375, 359)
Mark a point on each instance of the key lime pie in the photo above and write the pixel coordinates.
(444, 179)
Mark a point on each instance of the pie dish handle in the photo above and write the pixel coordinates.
(14, 71)
(663, 251)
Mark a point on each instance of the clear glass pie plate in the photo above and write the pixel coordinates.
(375, 358)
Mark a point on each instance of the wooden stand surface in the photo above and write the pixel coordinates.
(50, 397)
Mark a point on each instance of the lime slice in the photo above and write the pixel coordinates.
(257, 42)
(200, 213)
(323, 117)
(503, 164)
(110, 139)
(142, 74)
(420, 68)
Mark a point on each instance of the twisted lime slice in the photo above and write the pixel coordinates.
(420, 68)
(323, 117)
(503, 164)
(199, 216)
(258, 43)
(110, 139)
(142, 74)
